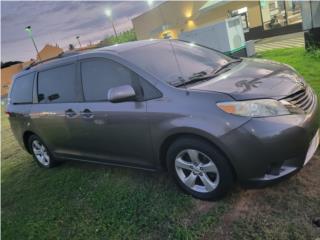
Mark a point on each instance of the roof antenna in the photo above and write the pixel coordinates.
(174, 53)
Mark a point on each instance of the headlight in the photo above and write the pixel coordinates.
(259, 108)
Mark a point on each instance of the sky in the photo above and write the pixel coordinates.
(59, 23)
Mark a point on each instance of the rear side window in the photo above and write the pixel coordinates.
(57, 85)
(99, 75)
(21, 92)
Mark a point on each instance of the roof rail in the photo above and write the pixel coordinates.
(61, 55)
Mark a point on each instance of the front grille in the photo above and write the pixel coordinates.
(303, 99)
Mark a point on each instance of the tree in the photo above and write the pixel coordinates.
(127, 36)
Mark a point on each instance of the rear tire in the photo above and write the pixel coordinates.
(199, 168)
(40, 152)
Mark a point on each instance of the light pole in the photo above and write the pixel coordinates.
(78, 38)
(29, 31)
(108, 13)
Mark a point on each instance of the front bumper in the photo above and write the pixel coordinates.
(266, 150)
(286, 170)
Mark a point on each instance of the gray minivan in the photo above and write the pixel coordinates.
(208, 119)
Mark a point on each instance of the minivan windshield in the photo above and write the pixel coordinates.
(178, 62)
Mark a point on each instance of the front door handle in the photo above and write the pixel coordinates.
(86, 113)
(70, 113)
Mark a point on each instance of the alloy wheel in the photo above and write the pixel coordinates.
(41, 152)
(197, 171)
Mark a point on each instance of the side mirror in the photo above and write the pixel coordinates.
(121, 94)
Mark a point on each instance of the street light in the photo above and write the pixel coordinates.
(150, 2)
(78, 38)
(29, 31)
(108, 13)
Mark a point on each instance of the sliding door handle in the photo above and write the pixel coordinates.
(70, 113)
(86, 113)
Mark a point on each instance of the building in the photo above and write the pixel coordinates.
(49, 51)
(260, 19)
(311, 24)
(7, 73)
(6, 77)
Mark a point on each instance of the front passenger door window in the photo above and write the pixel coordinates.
(99, 75)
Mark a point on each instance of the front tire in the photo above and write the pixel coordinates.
(199, 168)
(40, 152)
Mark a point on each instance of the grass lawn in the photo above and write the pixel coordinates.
(83, 201)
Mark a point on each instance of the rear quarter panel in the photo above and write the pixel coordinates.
(19, 120)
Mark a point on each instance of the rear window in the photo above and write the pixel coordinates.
(57, 85)
(21, 92)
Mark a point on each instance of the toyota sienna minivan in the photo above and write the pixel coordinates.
(209, 119)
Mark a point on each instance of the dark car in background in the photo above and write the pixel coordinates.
(207, 118)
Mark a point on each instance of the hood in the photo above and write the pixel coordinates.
(255, 78)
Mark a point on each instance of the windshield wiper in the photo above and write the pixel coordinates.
(224, 66)
(191, 80)
(177, 83)
(198, 76)
(202, 75)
